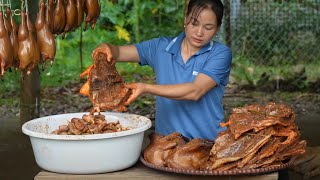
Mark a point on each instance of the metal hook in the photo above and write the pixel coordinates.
(16, 12)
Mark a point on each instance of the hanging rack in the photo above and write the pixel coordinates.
(3, 5)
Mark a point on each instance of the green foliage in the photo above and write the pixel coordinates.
(150, 18)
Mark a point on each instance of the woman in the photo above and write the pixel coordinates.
(191, 73)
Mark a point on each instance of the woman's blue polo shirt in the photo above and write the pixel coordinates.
(193, 119)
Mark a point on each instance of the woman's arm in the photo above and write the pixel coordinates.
(126, 53)
(187, 91)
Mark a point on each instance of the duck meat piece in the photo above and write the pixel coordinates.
(13, 38)
(189, 156)
(80, 11)
(45, 38)
(105, 87)
(25, 49)
(225, 138)
(241, 149)
(92, 10)
(71, 18)
(296, 148)
(266, 151)
(49, 14)
(160, 146)
(35, 47)
(258, 117)
(290, 133)
(59, 18)
(89, 124)
(6, 50)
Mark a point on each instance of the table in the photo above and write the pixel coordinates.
(141, 172)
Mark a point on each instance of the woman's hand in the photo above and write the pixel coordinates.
(105, 49)
(137, 90)
(308, 164)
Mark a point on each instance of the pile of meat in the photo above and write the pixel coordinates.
(176, 151)
(105, 87)
(89, 124)
(21, 49)
(257, 136)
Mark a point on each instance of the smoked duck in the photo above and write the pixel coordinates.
(92, 10)
(13, 38)
(71, 18)
(160, 147)
(35, 47)
(80, 11)
(59, 17)
(25, 49)
(6, 50)
(49, 14)
(45, 38)
(105, 87)
(190, 156)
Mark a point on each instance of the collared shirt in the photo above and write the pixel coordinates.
(193, 119)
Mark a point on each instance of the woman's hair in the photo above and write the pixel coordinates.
(196, 6)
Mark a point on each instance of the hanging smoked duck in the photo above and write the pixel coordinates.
(71, 18)
(13, 38)
(6, 50)
(80, 11)
(25, 48)
(59, 17)
(92, 10)
(45, 38)
(35, 47)
(49, 14)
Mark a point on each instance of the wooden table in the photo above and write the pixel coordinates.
(139, 171)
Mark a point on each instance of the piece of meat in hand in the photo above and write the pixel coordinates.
(105, 87)
(160, 146)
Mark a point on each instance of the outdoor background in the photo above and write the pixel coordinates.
(275, 58)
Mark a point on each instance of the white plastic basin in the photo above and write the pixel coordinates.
(86, 154)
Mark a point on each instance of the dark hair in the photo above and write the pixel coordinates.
(196, 6)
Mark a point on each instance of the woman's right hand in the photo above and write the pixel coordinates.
(105, 49)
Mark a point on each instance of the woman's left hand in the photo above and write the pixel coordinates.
(137, 90)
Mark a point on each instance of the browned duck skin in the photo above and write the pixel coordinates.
(160, 147)
(35, 47)
(45, 38)
(105, 87)
(189, 156)
(6, 50)
(71, 18)
(13, 38)
(59, 18)
(49, 14)
(80, 11)
(92, 9)
(25, 48)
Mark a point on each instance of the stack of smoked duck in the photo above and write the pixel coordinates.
(257, 137)
(24, 47)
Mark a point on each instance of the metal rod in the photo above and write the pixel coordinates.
(27, 8)
(2, 8)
